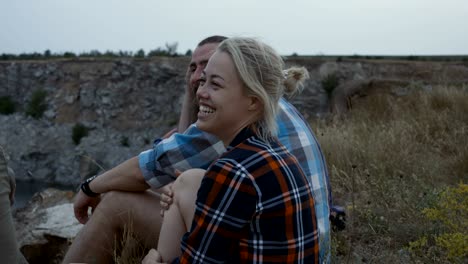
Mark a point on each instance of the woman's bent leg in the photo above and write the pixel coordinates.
(178, 219)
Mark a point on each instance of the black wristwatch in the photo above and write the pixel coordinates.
(85, 187)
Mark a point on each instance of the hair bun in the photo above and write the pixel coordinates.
(294, 78)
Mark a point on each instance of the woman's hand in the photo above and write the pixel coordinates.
(153, 257)
(167, 195)
(166, 198)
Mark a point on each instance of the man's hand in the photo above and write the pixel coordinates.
(166, 198)
(81, 205)
(153, 257)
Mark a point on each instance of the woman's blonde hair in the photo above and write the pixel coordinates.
(261, 70)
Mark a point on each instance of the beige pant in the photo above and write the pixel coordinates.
(8, 246)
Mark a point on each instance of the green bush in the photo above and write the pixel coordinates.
(37, 105)
(79, 131)
(412, 58)
(140, 54)
(169, 51)
(124, 142)
(6, 56)
(69, 54)
(7, 106)
(465, 61)
(329, 83)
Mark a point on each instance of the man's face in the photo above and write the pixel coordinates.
(200, 58)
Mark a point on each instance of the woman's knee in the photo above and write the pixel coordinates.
(185, 193)
(188, 180)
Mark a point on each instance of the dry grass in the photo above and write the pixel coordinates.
(130, 250)
(389, 158)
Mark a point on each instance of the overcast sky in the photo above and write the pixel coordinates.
(307, 27)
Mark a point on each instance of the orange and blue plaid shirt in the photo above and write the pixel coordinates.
(197, 149)
(254, 205)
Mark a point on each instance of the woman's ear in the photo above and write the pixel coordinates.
(255, 104)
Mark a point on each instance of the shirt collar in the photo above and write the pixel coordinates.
(241, 136)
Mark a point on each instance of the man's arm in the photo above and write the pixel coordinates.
(188, 111)
(153, 168)
(180, 152)
(125, 177)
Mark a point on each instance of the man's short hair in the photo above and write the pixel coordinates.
(212, 39)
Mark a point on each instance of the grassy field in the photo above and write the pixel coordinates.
(399, 165)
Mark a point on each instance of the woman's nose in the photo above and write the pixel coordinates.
(201, 92)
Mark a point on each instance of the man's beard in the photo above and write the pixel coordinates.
(194, 104)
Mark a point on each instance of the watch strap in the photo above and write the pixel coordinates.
(85, 187)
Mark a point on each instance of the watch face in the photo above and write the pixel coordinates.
(91, 178)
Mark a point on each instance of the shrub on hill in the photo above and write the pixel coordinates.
(37, 105)
(329, 83)
(7, 106)
(79, 131)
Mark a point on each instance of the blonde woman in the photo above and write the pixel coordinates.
(254, 204)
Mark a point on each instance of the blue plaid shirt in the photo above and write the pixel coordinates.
(197, 149)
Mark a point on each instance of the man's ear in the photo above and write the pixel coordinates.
(254, 104)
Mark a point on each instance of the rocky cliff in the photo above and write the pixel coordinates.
(127, 103)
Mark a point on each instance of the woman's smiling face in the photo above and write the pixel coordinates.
(225, 109)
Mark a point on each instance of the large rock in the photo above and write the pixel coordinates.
(46, 225)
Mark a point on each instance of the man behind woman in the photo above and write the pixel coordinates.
(126, 202)
(254, 203)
